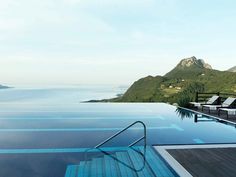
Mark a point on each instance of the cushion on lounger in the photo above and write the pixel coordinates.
(228, 102)
(230, 111)
(212, 107)
(212, 99)
(195, 104)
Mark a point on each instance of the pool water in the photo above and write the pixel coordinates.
(125, 162)
(42, 137)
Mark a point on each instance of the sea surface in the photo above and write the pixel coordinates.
(59, 94)
(45, 130)
(36, 122)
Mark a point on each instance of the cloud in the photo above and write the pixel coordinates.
(11, 24)
(111, 2)
(49, 20)
(72, 2)
(138, 35)
(66, 35)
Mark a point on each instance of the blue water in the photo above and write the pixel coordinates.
(44, 130)
(58, 95)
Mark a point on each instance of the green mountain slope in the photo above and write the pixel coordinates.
(144, 90)
(189, 76)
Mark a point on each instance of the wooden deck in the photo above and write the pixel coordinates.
(207, 162)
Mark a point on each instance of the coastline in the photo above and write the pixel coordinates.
(5, 87)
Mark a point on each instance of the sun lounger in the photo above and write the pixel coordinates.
(228, 111)
(226, 104)
(213, 100)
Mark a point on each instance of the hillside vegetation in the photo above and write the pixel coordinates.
(180, 84)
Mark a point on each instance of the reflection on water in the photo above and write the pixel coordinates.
(47, 121)
(93, 153)
(183, 113)
(21, 104)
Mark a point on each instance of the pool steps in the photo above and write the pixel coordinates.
(133, 165)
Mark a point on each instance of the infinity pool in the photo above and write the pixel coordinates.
(42, 140)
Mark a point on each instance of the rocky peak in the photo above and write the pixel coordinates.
(188, 62)
(233, 69)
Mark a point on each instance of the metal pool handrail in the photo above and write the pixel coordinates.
(126, 128)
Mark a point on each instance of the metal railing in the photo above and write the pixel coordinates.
(135, 142)
(142, 154)
(126, 128)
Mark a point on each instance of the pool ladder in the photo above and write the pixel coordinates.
(144, 137)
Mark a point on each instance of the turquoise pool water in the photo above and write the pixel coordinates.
(125, 162)
(42, 137)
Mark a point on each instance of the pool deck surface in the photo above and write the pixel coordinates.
(210, 162)
(201, 160)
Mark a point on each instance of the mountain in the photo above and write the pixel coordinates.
(3, 87)
(181, 83)
(189, 68)
(192, 62)
(233, 69)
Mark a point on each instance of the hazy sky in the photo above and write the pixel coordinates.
(111, 41)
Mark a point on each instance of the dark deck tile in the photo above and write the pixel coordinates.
(209, 162)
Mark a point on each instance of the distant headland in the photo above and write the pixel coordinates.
(180, 84)
(4, 87)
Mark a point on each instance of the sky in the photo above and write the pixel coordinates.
(46, 42)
